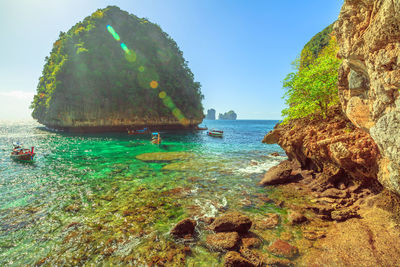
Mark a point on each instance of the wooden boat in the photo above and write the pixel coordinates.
(22, 154)
(201, 128)
(140, 131)
(156, 138)
(215, 133)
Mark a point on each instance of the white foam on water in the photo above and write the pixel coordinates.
(260, 166)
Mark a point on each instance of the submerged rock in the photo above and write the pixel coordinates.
(223, 241)
(184, 228)
(231, 222)
(251, 240)
(234, 259)
(164, 156)
(270, 221)
(283, 249)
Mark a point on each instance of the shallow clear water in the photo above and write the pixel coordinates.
(86, 199)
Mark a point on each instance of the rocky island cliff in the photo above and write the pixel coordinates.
(230, 115)
(346, 162)
(114, 70)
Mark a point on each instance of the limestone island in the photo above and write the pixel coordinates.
(114, 70)
(210, 114)
(230, 115)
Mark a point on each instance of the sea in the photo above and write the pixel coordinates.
(87, 200)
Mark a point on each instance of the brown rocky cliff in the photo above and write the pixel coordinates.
(331, 147)
(368, 33)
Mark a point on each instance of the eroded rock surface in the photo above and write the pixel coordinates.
(184, 227)
(231, 222)
(368, 33)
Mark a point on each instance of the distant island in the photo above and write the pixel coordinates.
(230, 115)
(210, 114)
(114, 70)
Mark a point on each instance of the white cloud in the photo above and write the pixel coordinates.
(14, 105)
(18, 94)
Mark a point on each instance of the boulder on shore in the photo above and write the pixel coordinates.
(279, 174)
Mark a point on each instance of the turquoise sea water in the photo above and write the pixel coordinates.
(87, 199)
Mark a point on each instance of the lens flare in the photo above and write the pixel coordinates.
(111, 30)
(148, 77)
(154, 84)
(168, 102)
(125, 48)
(131, 56)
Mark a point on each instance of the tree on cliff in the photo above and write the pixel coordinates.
(114, 65)
(312, 88)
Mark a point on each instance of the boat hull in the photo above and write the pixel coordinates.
(23, 157)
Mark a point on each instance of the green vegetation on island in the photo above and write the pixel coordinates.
(114, 68)
(312, 88)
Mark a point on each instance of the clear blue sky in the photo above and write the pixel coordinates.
(239, 51)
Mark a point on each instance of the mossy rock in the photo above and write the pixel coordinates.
(164, 156)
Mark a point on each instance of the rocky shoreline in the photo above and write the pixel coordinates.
(334, 211)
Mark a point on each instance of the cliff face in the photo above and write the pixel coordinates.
(114, 70)
(368, 33)
(331, 147)
(230, 115)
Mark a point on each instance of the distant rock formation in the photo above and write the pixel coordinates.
(230, 115)
(210, 114)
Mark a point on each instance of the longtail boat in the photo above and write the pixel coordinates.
(22, 154)
(215, 133)
(156, 138)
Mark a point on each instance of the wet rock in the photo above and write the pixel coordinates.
(280, 174)
(184, 227)
(343, 214)
(283, 249)
(231, 222)
(252, 256)
(251, 240)
(296, 218)
(271, 221)
(286, 236)
(275, 154)
(314, 234)
(223, 241)
(272, 137)
(277, 262)
(334, 193)
(207, 220)
(187, 250)
(234, 259)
